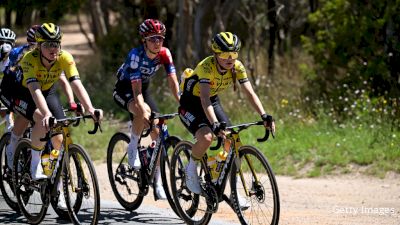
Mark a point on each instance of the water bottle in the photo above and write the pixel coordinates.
(143, 156)
(220, 158)
(46, 164)
(150, 150)
(53, 159)
(212, 165)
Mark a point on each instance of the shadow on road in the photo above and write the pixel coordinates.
(121, 216)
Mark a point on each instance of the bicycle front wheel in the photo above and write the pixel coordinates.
(124, 181)
(165, 164)
(254, 191)
(81, 188)
(33, 197)
(191, 207)
(6, 184)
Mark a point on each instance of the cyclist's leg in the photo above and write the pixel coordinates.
(159, 190)
(56, 108)
(192, 115)
(123, 96)
(25, 106)
(20, 125)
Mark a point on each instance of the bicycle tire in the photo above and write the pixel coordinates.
(165, 163)
(64, 213)
(264, 191)
(6, 183)
(85, 194)
(117, 164)
(192, 208)
(28, 198)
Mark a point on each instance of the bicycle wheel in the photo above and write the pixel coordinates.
(6, 185)
(165, 164)
(255, 197)
(125, 183)
(33, 197)
(81, 188)
(63, 213)
(191, 207)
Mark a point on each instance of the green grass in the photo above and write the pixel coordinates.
(300, 149)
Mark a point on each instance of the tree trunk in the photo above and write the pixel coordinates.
(98, 25)
(273, 31)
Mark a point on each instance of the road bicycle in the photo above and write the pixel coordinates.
(131, 185)
(254, 192)
(73, 168)
(6, 183)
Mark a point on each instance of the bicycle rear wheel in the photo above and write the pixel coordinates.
(191, 207)
(125, 182)
(165, 164)
(255, 197)
(6, 184)
(33, 197)
(81, 188)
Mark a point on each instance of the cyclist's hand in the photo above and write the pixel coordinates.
(46, 121)
(269, 122)
(217, 130)
(99, 118)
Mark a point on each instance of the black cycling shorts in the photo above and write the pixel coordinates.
(193, 116)
(18, 98)
(123, 95)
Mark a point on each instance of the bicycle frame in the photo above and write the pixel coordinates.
(64, 161)
(160, 142)
(231, 158)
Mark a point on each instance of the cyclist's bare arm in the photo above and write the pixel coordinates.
(67, 89)
(254, 100)
(40, 101)
(206, 103)
(83, 97)
(174, 85)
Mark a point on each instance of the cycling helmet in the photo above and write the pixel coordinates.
(7, 35)
(225, 42)
(30, 34)
(48, 32)
(152, 27)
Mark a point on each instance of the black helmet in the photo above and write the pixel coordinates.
(225, 42)
(48, 32)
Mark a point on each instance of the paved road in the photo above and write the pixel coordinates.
(111, 213)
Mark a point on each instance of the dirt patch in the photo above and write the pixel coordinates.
(345, 199)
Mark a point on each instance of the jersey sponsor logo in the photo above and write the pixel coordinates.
(134, 61)
(118, 98)
(21, 106)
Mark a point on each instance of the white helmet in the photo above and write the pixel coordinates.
(7, 35)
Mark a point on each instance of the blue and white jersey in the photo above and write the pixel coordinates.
(138, 67)
(17, 53)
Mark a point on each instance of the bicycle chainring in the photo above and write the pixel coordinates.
(211, 196)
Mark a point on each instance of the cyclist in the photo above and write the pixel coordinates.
(36, 100)
(132, 92)
(14, 70)
(200, 109)
(7, 42)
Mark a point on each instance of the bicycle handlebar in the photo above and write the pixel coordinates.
(72, 120)
(161, 117)
(241, 127)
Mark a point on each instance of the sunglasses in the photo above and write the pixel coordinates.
(227, 55)
(155, 39)
(51, 44)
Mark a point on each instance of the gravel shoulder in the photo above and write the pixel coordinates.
(346, 199)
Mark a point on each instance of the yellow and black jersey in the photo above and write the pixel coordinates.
(206, 72)
(34, 71)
